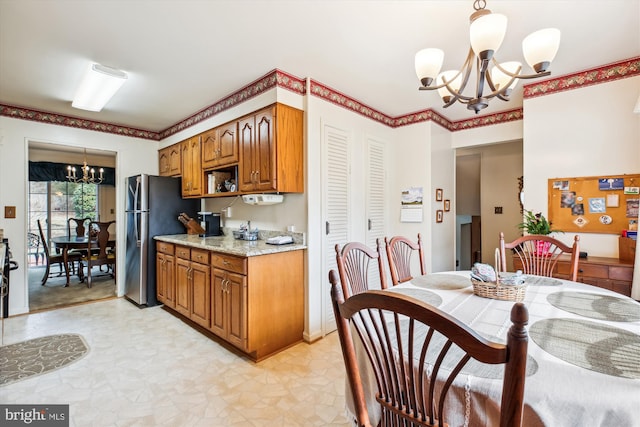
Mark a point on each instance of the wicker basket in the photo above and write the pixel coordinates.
(497, 291)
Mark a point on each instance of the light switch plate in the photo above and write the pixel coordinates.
(9, 211)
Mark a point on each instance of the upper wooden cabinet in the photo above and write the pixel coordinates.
(191, 167)
(271, 150)
(264, 150)
(220, 146)
(170, 160)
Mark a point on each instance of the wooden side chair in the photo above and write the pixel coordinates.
(539, 254)
(104, 254)
(394, 333)
(57, 259)
(400, 251)
(355, 267)
(77, 226)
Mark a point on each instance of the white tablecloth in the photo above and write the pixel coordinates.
(557, 392)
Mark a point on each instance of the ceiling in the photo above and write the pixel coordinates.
(184, 55)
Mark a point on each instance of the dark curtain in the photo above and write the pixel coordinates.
(49, 171)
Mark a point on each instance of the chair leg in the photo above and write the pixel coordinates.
(46, 274)
(88, 275)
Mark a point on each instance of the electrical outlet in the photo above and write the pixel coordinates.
(497, 209)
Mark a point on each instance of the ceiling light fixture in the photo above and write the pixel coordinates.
(486, 33)
(98, 85)
(86, 170)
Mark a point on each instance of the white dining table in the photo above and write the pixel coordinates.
(583, 364)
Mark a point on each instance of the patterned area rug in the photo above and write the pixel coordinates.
(38, 356)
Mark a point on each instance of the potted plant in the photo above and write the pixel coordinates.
(537, 224)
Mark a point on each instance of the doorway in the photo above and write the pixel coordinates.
(52, 200)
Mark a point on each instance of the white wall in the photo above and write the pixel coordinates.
(320, 112)
(586, 132)
(15, 136)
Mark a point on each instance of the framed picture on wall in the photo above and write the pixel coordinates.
(439, 215)
(438, 194)
(447, 205)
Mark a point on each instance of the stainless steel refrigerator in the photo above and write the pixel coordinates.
(152, 209)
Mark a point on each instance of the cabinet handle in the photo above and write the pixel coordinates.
(326, 227)
(225, 262)
(369, 224)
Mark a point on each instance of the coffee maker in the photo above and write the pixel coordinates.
(210, 222)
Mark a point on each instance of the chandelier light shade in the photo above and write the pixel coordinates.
(486, 33)
(98, 86)
(88, 173)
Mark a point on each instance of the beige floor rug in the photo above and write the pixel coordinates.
(39, 356)
(55, 295)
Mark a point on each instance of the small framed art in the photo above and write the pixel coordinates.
(447, 205)
(438, 194)
(439, 215)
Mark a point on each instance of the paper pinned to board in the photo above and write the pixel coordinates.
(411, 214)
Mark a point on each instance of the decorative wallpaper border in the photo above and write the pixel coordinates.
(603, 74)
(74, 122)
(280, 79)
(274, 78)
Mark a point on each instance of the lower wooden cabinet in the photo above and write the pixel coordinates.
(229, 307)
(193, 286)
(255, 303)
(165, 274)
(607, 273)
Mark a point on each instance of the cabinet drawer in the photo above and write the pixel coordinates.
(592, 270)
(229, 263)
(183, 252)
(621, 273)
(165, 248)
(200, 256)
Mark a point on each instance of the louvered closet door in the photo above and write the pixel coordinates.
(336, 209)
(375, 199)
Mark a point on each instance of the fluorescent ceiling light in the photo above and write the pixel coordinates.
(99, 84)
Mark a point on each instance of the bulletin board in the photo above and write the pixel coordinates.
(597, 204)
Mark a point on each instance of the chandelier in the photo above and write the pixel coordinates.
(86, 171)
(486, 32)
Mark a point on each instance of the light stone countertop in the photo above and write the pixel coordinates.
(228, 245)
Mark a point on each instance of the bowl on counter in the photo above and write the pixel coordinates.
(238, 234)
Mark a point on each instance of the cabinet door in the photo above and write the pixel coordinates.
(218, 312)
(210, 148)
(165, 282)
(183, 290)
(191, 167)
(201, 294)
(164, 162)
(228, 144)
(246, 142)
(263, 152)
(175, 160)
(236, 295)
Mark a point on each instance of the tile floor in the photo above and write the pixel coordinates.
(147, 368)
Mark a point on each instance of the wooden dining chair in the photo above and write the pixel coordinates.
(356, 269)
(538, 254)
(394, 335)
(400, 252)
(77, 226)
(104, 254)
(50, 258)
